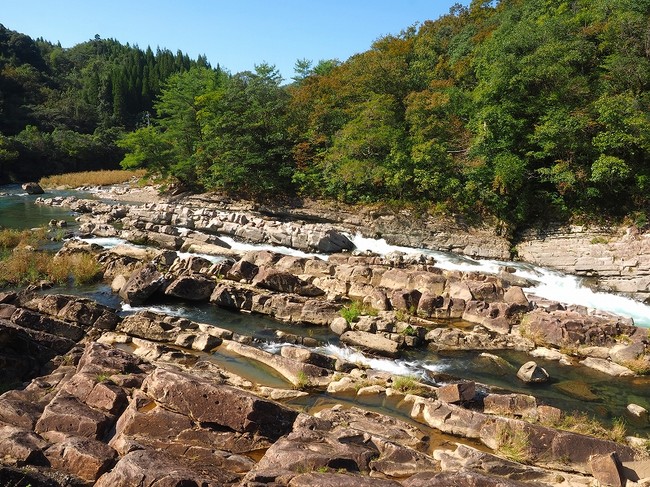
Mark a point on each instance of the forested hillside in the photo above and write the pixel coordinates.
(63, 109)
(521, 110)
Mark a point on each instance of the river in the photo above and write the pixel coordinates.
(17, 210)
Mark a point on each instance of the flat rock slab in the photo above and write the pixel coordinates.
(66, 414)
(371, 342)
(147, 468)
(208, 402)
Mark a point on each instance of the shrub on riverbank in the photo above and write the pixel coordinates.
(91, 178)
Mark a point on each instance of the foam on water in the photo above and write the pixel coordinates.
(212, 258)
(245, 247)
(106, 242)
(177, 311)
(392, 366)
(551, 285)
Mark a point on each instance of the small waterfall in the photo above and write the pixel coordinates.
(551, 284)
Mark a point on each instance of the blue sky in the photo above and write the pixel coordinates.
(237, 34)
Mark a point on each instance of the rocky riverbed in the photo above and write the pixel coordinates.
(102, 398)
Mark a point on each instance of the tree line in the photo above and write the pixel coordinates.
(516, 110)
(63, 110)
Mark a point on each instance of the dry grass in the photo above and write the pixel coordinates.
(640, 366)
(579, 422)
(91, 178)
(10, 238)
(513, 444)
(21, 264)
(24, 267)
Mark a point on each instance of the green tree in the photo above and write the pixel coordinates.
(246, 146)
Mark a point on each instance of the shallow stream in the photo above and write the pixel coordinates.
(571, 388)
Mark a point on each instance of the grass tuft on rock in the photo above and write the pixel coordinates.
(514, 444)
(355, 309)
(580, 422)
(407, 385)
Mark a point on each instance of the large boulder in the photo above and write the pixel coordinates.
(32, 188)
(531, 373)
(142, 285)
(191, 287)
(210, 402)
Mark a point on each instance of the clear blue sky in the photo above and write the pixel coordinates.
(237, 34)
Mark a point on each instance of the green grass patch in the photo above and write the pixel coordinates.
(407, 385)
(355, 309)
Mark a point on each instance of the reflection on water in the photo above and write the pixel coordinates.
(17, 208)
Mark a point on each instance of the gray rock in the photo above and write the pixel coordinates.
(339, 325)
(371, 342)
(32, 188)
(531, 373)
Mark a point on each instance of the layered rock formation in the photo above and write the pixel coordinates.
(615, 259)
(114, 400)
(123, 410)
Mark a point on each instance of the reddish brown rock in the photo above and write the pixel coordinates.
(332, 479)
(607, 469)
(20, 447)
(99, 359)
(84, 457)
(463, 478)
(66, 414)
(242, 270)
(147, 468)
(511, 405)
(210, 402)
(18, 409)
(453, 393)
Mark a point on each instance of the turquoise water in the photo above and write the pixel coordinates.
(17, 209)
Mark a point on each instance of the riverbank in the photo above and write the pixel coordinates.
(329, 316)
(610, 258)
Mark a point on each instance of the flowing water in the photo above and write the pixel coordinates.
(571, 388)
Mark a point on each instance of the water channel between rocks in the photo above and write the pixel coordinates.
(572, 388)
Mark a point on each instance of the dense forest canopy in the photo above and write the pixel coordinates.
(518, 110)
